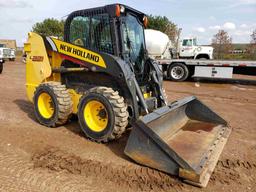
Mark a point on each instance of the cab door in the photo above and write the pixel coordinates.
(186, 49)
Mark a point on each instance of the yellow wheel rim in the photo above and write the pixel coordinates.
(96, 116)
(45, 105)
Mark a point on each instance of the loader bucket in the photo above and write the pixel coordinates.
(185, 139)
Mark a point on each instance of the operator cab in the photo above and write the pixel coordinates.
(113, 29)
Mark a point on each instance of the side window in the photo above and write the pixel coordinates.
(80, 31)
(101, 34)
(195, 42)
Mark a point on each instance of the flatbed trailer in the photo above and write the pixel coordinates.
(182, 69)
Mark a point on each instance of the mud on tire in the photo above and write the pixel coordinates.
(61, 103)
(116, 109)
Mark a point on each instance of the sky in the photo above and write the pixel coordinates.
(197, 18)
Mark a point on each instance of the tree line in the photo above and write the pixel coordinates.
(221, 41)
(223, 46)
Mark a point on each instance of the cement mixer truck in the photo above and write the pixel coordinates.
(159, 45)
(190, 60)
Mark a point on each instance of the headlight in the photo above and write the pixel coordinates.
(199, 48)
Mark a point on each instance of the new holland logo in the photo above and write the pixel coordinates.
(77, 52)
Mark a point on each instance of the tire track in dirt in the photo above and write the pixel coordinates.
(135, 178)
(231, 164)
(17, 173)
(229, 171)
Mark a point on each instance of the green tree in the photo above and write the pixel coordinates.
(222, 44)
(163, 24)
(50, 27)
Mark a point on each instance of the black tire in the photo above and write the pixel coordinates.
(1, 67)
(178, 72)
(61, 103)
(114, 107)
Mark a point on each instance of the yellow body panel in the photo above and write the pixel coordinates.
(55, 61)
(38, 67)
(75, 98)
(40, 62)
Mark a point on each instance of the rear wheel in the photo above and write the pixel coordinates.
(52, 104)
(1, 67)
(178, 72)
(102, 114)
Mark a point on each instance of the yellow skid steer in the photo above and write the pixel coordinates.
(102, 73)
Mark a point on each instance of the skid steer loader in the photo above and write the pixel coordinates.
(102, 73)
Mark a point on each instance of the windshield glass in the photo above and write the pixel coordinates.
(134, 43)
(187, 42)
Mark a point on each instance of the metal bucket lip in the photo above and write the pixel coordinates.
(203, 174)
(223, 133)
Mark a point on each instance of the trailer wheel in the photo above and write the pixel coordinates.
(1, 67)
(178, 72)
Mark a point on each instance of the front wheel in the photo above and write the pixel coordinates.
(102, 114)
(178, 72)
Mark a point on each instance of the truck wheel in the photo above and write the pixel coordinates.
(52, 104)
(102, 114)
(178, 72)
(1, 67)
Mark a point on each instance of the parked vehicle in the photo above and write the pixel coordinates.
(4, 55)
(201, 66)
(105, 77)
(187, 48)
(12, 55)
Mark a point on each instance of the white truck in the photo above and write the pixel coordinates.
(159, 48)
(187, 48)
(12, 55)
(4, 55)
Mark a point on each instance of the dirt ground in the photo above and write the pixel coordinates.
(36, 158)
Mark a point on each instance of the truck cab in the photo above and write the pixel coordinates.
(189, 49)
(4, 53)
(12, 55)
